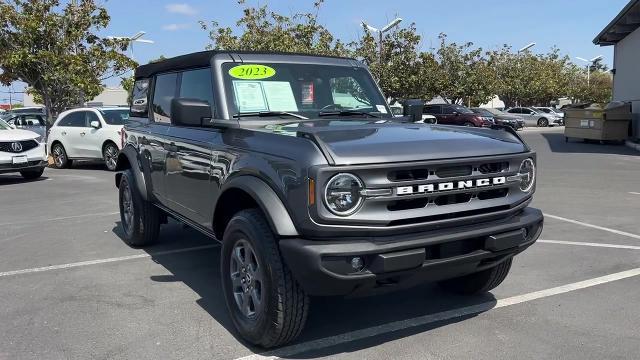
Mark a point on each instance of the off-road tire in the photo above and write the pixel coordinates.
(141, 228)
(480, 282)
(543, 122)
(60, 158)
(284, 303)
(32, 174)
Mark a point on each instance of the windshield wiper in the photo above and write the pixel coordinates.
(268, 113)
(346, 113)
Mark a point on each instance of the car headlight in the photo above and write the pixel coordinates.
(342, 195)
(527, 173)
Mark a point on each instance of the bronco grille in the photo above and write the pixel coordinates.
(26, 145)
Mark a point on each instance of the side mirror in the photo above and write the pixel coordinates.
(413, 108)
(95, 124)
(190, 112)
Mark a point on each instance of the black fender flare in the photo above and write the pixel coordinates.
(130, 156)
(269, 202)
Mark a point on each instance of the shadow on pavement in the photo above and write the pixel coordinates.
(11, 179)
(328, 316)
(557, 144)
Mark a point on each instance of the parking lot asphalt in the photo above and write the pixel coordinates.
(71, 289)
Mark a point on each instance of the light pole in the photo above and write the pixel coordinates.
(380, 32)
(131, 40)
(588, 66)
(523, 49)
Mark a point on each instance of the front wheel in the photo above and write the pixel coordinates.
(543, 122)
(60, 159)
(110, 156)
(32, 174)
(479, 282)
(140, 218)
(267, 306)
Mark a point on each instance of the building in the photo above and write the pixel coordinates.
(623, 32)
(108, 97)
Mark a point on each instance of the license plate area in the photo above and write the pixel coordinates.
(20, 160)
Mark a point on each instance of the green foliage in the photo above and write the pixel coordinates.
(54, 49)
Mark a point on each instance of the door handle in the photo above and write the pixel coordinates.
(82, 133)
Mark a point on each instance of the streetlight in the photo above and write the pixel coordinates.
(131, 40)
(588, 66)
(524, 48)
(380, 32)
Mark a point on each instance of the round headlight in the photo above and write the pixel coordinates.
(527, 174)
(342, 194)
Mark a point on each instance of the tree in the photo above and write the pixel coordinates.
(54, 49)
(265, 30)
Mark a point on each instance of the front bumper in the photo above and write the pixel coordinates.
(390, 262)
(30, 165)
(36, 159)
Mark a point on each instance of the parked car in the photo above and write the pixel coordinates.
(21, 151)
(87, 134)
(501, 117)
(312, 198)
(35, 122)
(550, 110)
(452, 114)
(533, 117)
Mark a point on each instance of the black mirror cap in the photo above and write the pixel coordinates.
(413, 108)
(190, 112)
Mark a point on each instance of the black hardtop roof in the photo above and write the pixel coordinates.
(203, 58)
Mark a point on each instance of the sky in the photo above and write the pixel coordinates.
(570, 25)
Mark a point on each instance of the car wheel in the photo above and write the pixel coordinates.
(140, 218)
(543, 122)
(267, 306)
(479, 282)
(469, 124)
(110, 156)
(60, 159)
(32, 174)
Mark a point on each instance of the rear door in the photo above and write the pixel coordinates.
(449, 116)
(191, 151)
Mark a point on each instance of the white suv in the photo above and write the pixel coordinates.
(86, 134)
(21, 151)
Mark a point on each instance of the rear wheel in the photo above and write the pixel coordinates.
(267, 306)
(110, 156)
(543, 122)
(140, 218)
(60, 159)
(32, 174)
(479, 282)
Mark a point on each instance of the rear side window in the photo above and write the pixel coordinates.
(74, 119)
(196, 84)
(164, 92)
(432, 109)
(32, 120)
(447, 110)
(115, 117)
(139, 98)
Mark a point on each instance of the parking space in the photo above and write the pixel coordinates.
(71, 289)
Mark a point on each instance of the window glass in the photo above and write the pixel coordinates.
(91, 116)
(74, 119)
(196, 84)
(514, 111)
(33, 120)
(164, 92)
(526, 111)
(347, 92)
(432, 109)
(115, 117)
(448, 110)
(139, 96)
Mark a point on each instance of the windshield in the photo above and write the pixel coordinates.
(115, 117)
(302, 89)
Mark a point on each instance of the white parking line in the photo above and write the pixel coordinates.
(623, 233)
(60, 218)
(103, 261)
(634, 193)
(578, 243)
(441, 316)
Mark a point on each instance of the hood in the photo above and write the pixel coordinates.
(363, 142)
(17, 134)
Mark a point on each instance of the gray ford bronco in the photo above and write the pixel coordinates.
(297, 165)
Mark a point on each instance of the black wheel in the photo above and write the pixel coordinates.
(543, 122)
(60, 159)
(110, 155)
(469, 124)
(140, 219)
(479, 282)
(267, 306)
(32, 174)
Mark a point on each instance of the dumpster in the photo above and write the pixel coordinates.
(593, 122)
